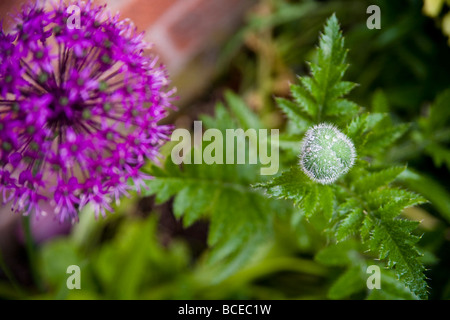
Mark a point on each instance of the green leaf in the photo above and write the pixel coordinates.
(361, 127)
(200, 190)
(394, 242)
(309, 202)
(247, 119)
(341, 254)
(292, 184)
(351, 224)
(330, 65)
(222, 119)
(239, 215)
(366, 205)
(341, 89)
(389, 199)
(430, 189)
(304, 99)
(350, 282)
(294, 113)
(433, 133)
(341, 107)
(383, 136)
(374, 180)
(356, 131)
(439, 112)
(439, 153)
(320, 96)
(295, 185)
(192, 211)
(380, 103)
(135, 259)
(391, 289)
(56, 256)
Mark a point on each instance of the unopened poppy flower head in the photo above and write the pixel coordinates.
(327, 153)
(79, 109)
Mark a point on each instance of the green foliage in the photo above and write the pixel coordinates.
(240, 216)
(122, 268)
(366, 204)
(352, 281)
(322, 94)
(134, 265)
(434, 131)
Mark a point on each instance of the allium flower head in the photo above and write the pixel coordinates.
(79, 109)
(326, 153)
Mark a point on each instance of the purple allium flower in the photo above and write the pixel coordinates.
(79, 110)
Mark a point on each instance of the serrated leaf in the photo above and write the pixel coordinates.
(356, 131)
(304, 99)
(394, 242)
(382, 138)
(341, 89)
(341, 107)
(291, 184)
(373, 133)
(361, 126)
(237, 212)
(331, 57)
(351, 224)
(393, 198)
(374, 119)
(310, 201)
(366, 229)
(391, 289)
(374, 180)
(293, 111)
(311, 87)
(192, 210)
(320, 95)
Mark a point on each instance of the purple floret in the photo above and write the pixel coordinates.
(79, 110)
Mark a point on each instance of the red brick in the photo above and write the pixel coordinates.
(145, 12)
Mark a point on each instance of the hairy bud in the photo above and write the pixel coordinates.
(326, 153)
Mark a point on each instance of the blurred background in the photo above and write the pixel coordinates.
(255, 48)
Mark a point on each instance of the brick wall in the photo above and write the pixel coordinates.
(188, 35)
